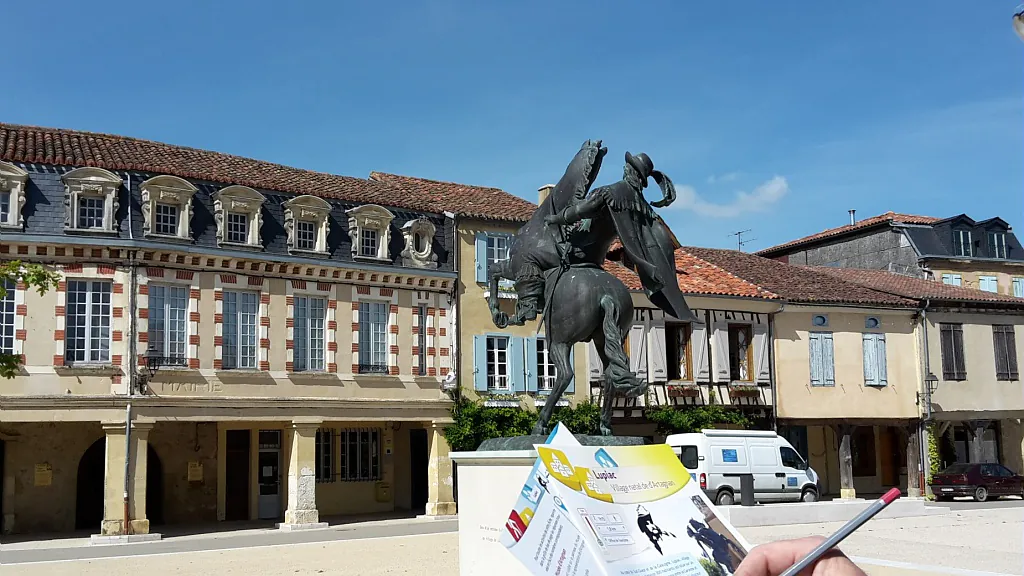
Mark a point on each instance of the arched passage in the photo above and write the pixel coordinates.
(89, 489)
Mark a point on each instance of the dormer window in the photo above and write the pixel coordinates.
(369, 227)
(962, 243)
(239, 214)
(306, 219)
(167, 207)
(12, 195)
(997, 244)
(419, 239)
(90, 200)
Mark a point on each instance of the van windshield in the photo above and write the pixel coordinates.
(688, 456)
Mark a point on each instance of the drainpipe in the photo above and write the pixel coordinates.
(922, 445)
(771, 365)
(132, 362)
(457, 364)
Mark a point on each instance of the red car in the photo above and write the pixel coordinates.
(977, 480)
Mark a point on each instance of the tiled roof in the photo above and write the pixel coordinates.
(462, 199)
(31, 144)
(794, 283)
(696, 276)
(917, 288)
(888, 217)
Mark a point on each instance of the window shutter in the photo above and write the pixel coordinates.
(595, 368)
(481, 257)
(948, 363)
(532, 375)
(516, 368)
(699, 348)
(947, 279)
(957, 279)
(658, 364)
(1018, 287)
(763, 373)
(958, 348)
(883, 367)
(720, 353)
(870, 360)
(571, 388)
(1011, 352)
(828, 360)
(999, 347)
(815, 357)
(479, 363)
(638, 351)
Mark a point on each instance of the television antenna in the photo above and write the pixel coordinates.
(739, 239)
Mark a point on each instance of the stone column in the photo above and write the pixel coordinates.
(845, 433)
(113, 492)
(440, 483)
(301, 512)
(976, 430)
(913, 461)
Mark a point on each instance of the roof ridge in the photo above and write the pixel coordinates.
(888, 217)
(434, 181)
(760, 288)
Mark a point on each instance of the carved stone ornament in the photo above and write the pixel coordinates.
(167, 190)
(310, 209)
(94, 182)
(241, 199)
(12, 181)
(370, 217)
(419, 244)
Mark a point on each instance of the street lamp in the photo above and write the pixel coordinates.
(153, 362)
(931, 384)
(1018, 22)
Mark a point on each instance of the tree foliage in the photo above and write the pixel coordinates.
(678, 420)
(32, 276)
(475, 422)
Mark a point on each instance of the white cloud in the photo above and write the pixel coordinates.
(727, 177)
(759, 199)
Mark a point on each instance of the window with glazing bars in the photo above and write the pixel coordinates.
(373, 325)
(497, 363)
(238, 228)
(360, 455)
(308, 333)
(324, 455)
(421, 338)
(90, 211)
(166, 218)
(168, 321)
(546, 372)
(5, 206)
(238, 348)
(87, 330)
(7, 314)
(368, 242)
(305, 235)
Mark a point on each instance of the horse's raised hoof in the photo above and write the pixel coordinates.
(500, 319)
(538, 430)
(605, 431)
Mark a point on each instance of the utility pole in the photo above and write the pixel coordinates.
(739, 239)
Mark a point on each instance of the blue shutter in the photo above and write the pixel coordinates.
(815, 356)
(1018, 287)
(883, 376)
(480, 363)
(947, 279)
(870, 360)
(516, 369)
(531, 364)
(957, 280)
(481, 257)
(571, 389)
(828, 360)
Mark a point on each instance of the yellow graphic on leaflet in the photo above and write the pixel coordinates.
(526, 515)
(590, 485)
(559, 467)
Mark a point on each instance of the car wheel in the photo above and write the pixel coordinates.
(725, 498)
(980, 494)
(809, 495)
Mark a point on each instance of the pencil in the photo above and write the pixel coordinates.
(843, 532)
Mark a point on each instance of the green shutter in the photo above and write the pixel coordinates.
(480, 363)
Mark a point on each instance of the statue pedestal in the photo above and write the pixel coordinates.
(489, 485)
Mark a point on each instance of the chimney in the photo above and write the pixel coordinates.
(543, 191)
(853, 217)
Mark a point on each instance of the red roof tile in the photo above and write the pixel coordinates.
(696, 276)
(918, 288)
(886, 218)
(31, 144)
(465, 200)
(795, 283)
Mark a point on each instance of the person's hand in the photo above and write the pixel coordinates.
(773, 559)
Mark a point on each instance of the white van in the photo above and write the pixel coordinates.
(712, 456)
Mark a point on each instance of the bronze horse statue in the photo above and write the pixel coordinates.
(556, 262)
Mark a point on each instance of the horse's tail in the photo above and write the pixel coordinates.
(619, 375)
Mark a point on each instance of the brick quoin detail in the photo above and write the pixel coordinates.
(415, 370)
(444, 371)
(394, 349)
(105, 270)
(289, 322)
(20, 286)
(58, 360)
(430, 311)
(116, 359)
(144, 289)
(143, 313)
(415, 350)
(118, 288)
(117, 336)
(289, 344)
(218, 365)
(355, 368)
(289, 300)
(264, 321)
(193, 363)
(118, 312)
(62, 286)
(289, 366)
(21, 310)
(218, 318)
(355, 326)
(387, 292)
(195, 294)
(415, 329)
(355, 347)
(218, 340)
(194, 339)
(431, 331)
(59, 311)
(332, 346)
(115, 379)
(155, 272)
(331, 324)
(431, 351)
(444, 351)
(431, 371)
(20, 335)
(362, 289)
(394, 309)
(264, 366)
(332, 304)
(443, 312)
(184, 275)
(332, 368)
(143, 336)
(218, 295)
(193, 316)
(442, 332)
(264, 342)
(393, 370)
(264, 298)
(58, 335)
(393, 329)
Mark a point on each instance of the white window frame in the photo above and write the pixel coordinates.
(494, 250)
(997, 244)
(951, 279)
(95, 349)
(373, 344)
(309, 334)
(238, 360)
(169, 191)
(239, 200)
(987, 280)
(370, 217)
(966, 243)
(12, 183)
(8, 318)
(325, 461)
(307, 210)
(497, 382)
(359, 453)
(547, 372)
(96, 184)
(421, 337)
(160, 338)
(236, 227)
(1018, 287)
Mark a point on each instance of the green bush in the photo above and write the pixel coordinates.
(677, 420)
(934, 459)
(475, 422)
(712, 567)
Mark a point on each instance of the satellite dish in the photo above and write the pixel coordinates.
(1018, 23)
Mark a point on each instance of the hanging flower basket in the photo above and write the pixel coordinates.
(683, 390)
(744, 390)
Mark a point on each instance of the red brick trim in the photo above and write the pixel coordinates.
(264, 366)
(355, 326)
(331, 324)
(431, 371)
(332, 304)
(323, 286)
(143, 337)
(117, 336)
(265, 343)
(264, 298)
(59, 311)
(21, 310)
(193, 363)
(355, 346)
(58, 360)
(394, 349)
(289, 300)
(218, 294)
(442, 331)
(58, 335)
(74, 268)
(264, 321)
(444, 351)
(228, 279)
(355, 368)
(393, 329)
(193, 317)
(143, 313)
(195, 294)
(332, 346)
(444, 371)
(118, 288)
(332, 368)
(289, 344)
(355, 306)
(218, 364)
(255, 281)
(289, 322)
(185, 275)
(218, 340)
(144, 289)
(393, 370)
(105, 270)
(20, 335)
(194, 339)
(362, 289)
(415, 370)
(387, 292)
(116, 359)
(218, 318)
(117, 311)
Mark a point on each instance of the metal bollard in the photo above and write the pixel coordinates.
(747, 489)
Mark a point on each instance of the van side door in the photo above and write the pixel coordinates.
(765, 466)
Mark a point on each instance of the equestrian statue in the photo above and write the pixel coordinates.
(556, 261)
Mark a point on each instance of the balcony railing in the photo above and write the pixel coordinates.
(373, 368)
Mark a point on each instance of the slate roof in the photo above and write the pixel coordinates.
(917, 288)
(794, 283)
(36, 145)
(470, 201)
(887, 218)
(696, 276)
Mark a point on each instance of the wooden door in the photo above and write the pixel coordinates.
(889, 452)
(236, 475)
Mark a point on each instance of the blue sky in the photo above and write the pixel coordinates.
(774, 119)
